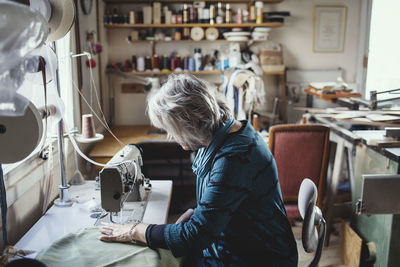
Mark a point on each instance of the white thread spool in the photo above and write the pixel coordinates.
(88, 130)
(140, 64)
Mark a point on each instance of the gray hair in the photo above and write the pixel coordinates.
(189, 109)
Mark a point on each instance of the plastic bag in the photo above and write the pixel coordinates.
(21, 31)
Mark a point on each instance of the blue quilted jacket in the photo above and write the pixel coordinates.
(240, 219)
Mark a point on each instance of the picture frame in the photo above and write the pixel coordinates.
(329, 29)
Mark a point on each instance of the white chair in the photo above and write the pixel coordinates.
(312, 217)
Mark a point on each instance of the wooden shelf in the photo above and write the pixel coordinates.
(186, 1)
(211, 72)
(145, 73)
(200, 41)
(191, 25)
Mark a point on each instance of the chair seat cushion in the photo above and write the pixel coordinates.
(292, 211)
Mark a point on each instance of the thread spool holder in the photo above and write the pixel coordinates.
(65, 199)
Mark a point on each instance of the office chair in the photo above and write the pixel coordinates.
(300, 150)
(312, 217)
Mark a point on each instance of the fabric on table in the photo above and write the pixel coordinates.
(83, 248)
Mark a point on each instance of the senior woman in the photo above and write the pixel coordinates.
(240, 218)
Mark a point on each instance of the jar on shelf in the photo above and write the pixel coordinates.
(259, 12)
(228, 14)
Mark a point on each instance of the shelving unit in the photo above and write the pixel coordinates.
(152, 43)
(191, 25)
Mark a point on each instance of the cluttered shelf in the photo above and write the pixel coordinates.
(330, 92)
(186, 1)
(190, 25)
(211, 72)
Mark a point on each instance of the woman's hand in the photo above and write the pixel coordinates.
(117, 232)
(185, 216)
(128, 232)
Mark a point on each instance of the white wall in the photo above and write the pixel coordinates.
(297, 36)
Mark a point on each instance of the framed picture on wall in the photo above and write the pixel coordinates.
(329, 29)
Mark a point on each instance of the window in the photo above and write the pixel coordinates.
(63, 49)
(384, 52)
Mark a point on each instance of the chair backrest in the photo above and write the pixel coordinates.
(300, 150)
(312, 239)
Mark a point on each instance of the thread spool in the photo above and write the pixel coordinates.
(133, 63)
(155, 63)
(173, 60)
(191, 64)
(140, 63)
(147, 63)
(88, 130)
(186, 63)
(178, 63)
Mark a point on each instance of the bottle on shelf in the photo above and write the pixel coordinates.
(245, 16)
(206, 16)
(179, 17)
(212, 14)
(115, 17)
(192, 14)
(239, 16)
(132, 17)
(228, 14)
(173, 17)
(252, 14)
(259, 12)
(186, 33)
(220, 14)
(185, 16)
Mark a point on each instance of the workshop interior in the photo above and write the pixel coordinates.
(318, 80)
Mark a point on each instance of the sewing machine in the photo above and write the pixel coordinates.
(123, 187)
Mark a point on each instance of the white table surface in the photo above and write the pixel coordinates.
(59, 221)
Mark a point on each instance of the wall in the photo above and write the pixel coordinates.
(25, 190)
(297, 36)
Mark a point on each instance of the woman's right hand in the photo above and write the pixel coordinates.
(185, 216)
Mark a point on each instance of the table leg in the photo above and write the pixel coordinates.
(332, 184)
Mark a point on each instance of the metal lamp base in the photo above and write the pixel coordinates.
(59, 203)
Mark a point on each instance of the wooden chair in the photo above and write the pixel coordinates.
(300, 150)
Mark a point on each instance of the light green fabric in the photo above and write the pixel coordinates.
(84, 248)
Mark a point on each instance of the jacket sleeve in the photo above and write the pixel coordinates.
(224, 190)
